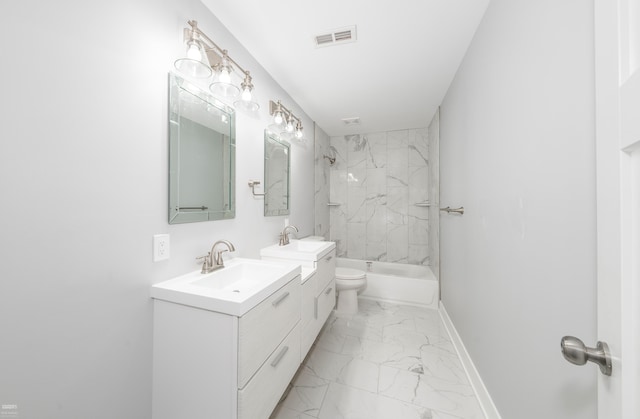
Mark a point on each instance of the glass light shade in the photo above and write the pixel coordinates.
(246, 95)
(223, 87)
(278, 118)
(246, 105)
(224, 76)
(289, 127)
(195, 64)
(299, 133)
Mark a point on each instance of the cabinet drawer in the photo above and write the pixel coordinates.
(325, 270)
(308, 301)
(326, 303)
(261, 395)
(262, 329)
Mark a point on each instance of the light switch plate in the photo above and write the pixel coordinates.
(161, 247)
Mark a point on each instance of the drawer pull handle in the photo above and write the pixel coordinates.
(315, 308)
(328, 259)
(279, 357)
(280, 299)
(327, 292)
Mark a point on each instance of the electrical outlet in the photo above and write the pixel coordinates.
(160, 247)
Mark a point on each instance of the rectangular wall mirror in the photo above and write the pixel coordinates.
(201, 155)
(276, 175)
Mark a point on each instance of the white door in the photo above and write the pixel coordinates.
(618, 211)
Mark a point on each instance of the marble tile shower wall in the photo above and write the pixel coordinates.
(321, 192)
(434, 193)
(377, 180)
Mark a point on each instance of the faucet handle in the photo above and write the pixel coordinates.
(205, 257)
(218, 257)
(206, 264)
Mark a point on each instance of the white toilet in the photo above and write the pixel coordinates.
(348, 283)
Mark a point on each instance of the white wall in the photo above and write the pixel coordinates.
(517, 151)
(83, 184)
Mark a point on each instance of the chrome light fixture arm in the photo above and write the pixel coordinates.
(211, 46)
(211, 56)
(282, 114)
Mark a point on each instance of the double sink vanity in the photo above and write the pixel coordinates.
(227, 343)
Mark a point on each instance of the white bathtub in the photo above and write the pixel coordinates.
(397, 282)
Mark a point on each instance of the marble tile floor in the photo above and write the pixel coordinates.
(388, 361)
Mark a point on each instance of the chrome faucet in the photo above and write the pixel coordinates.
(284, 236)
(213, 260)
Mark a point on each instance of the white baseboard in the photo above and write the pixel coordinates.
(489, 409)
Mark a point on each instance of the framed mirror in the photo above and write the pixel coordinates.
(201, 155)
(276, 175)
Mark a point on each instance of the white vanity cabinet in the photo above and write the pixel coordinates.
(318, 291)
(210, 365)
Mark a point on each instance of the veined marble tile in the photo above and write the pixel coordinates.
(377, 151)
(419, 178)
(282, 412)
(330, 340)
(376, 251)
(306, 394)
(340, 145)
(376, 220)
(356, 233)
(357, 149)
(325, 364)
(342, 369)
(398, 200)
(338, 185)
(383, 321)
(399, 138)
(418, 233)
(354, 327)
(398, 176)
(338, 228)
(397, 243)
(439, 345)
(418, 342)
(430, 392)
(360, 374)
(381, 353)
(419, 254)
(406, 347)
(418, 148)
(345, 402)
(444, 367)
(356, 205)
(398, 148)
(376, 182)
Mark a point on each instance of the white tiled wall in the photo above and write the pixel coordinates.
(377, 180)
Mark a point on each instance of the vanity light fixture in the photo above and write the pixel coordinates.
(285, 120)
(204, 59)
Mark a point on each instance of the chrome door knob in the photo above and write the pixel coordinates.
(576, 352)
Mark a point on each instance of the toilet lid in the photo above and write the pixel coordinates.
(348, 273)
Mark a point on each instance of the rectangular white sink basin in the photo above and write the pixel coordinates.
(299, 250)
(234, 289)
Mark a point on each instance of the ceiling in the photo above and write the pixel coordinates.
(394, 76)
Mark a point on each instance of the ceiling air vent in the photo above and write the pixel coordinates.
(336, 36)
(351, 121)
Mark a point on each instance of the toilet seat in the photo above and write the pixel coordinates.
(349, 274)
